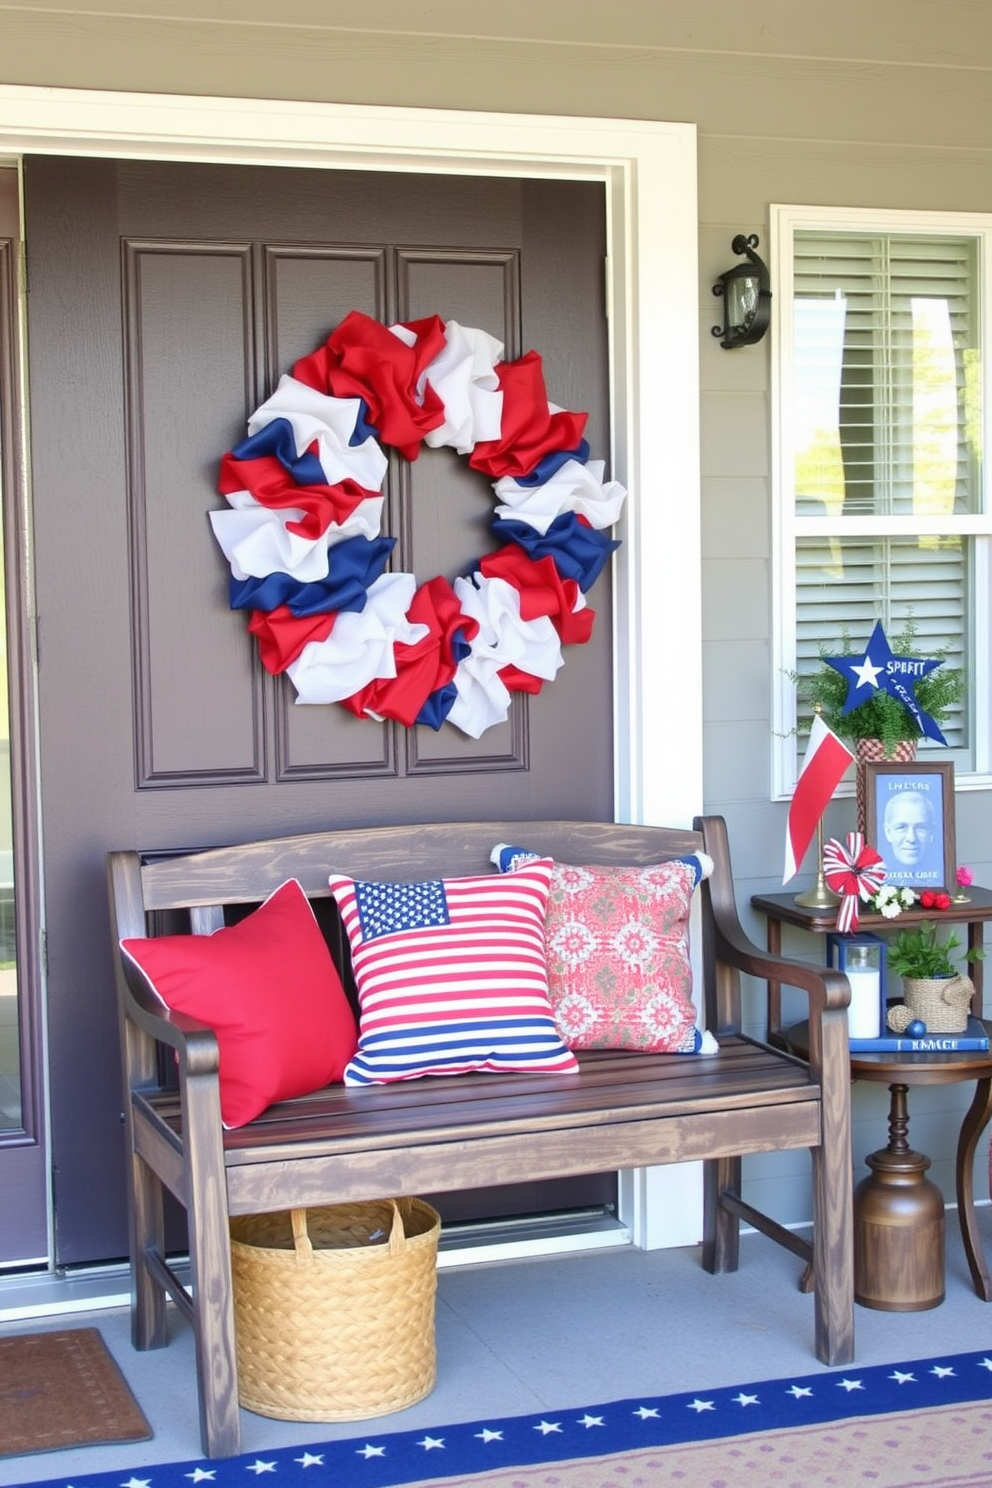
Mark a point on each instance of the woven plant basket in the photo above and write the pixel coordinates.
(334, 1309)
(873, 751)
(943, 1004)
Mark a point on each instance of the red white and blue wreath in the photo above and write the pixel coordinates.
(308, 558)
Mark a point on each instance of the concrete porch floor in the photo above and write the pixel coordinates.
(522, 1336)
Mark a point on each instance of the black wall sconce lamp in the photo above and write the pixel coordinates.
(747, 299)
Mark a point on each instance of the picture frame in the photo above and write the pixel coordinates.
(910, 821)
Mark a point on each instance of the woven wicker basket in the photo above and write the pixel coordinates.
(942, 1003)
(867, 751)
(334, 1309)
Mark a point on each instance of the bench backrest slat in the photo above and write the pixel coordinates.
(206, 918)
(246, 873)
(191, 890)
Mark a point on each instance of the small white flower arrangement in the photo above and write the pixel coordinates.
(891, 900)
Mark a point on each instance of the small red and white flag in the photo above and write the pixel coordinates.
(827, 757)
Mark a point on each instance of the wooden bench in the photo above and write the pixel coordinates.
(436, 1135)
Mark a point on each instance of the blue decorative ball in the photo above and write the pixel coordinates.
(916, 1029)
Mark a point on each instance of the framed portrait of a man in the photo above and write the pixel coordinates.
(911, 822)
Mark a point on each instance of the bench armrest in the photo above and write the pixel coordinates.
(195, 1043)
(826, 989)
(145, 1022)
(729, 951)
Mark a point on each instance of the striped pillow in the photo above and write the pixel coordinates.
(451, 976)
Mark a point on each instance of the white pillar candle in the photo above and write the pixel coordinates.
(864, 1015)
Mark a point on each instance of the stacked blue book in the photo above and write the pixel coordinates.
(973, 1037)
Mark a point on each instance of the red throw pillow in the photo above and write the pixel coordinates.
(268, 988)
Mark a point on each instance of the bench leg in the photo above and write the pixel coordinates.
(210, 1273)
(213, 1327)
(833, 1246)
(721, 1229)
(147, 1225)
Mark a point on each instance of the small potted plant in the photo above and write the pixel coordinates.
(936, 992)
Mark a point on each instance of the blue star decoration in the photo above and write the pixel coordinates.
(878, 669)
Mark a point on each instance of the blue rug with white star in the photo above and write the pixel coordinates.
(926, 1421)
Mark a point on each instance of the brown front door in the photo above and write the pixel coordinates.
(165, 302)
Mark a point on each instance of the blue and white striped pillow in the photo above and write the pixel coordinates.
(451, 975)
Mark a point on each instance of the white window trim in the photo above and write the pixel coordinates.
(785, 221)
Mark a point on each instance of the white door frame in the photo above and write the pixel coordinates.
(649, 173)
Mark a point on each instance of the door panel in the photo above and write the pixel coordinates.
(185, 323)
(166, 301)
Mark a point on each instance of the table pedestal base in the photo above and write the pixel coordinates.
(898, 1235)
(898, 1196)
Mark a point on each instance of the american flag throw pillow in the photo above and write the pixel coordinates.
(451, 975)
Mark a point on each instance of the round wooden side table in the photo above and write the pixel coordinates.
(898, 1211)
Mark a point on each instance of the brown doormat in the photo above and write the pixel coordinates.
(63, 1390)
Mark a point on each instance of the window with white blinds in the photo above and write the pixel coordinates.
(880, 501)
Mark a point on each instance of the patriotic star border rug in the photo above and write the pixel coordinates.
(924, 1422)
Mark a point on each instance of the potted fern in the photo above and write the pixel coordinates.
(881, 719)
(881, 727)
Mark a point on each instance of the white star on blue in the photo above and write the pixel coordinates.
(670, 1420)
(388, 908)
(878, 669)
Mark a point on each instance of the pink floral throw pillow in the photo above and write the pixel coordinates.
(619, 974)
